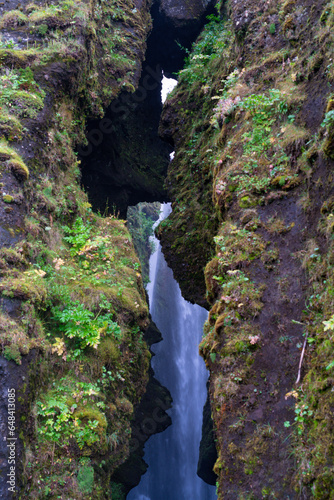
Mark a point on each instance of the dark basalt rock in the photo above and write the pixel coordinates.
(183, 13)
(207, 449)
(150, 418)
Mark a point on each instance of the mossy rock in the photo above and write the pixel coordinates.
(124, 405)
(12, 257)
(19, 169)
(330, 105)
(12, 353)
(4, 155)
(92, 414)
(328, 147)
(108, 351)
(247, 202)
(25, 287)
(17, 58)
(28, 104)
(7, 198)
(13, 19)
(288, 6)
(10, 127)
(324, 486)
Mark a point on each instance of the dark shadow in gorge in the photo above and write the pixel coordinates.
(125, 161)
(129, 162)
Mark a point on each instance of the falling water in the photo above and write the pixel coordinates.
(172, 456)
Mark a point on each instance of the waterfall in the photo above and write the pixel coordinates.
(172, 456)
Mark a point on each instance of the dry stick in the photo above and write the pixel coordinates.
(301, 359)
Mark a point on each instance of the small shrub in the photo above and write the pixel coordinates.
(272, 29)
(42, 29)
(78, 235)
(328, 120)
(80, 324)
(117, 491)
(63, 414)
(85, 479)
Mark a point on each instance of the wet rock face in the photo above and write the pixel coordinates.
(181, 13)
(207, 450)
(16, 384)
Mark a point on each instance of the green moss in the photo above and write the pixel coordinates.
(124, 406)
(17, 58)
(15, 163)
(26, 104)
(235, 245)
(29, 285)
(324, 485)
(247, 202)
(19, 169)
(10, 127)
(108, 351)
(92, 414)
(15, 339)
(59, 15)
(13, 19)
(7, 198)
(12, 353)
(13, 256)
(328, 146)
(85, 479)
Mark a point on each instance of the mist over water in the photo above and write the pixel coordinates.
(172, 456)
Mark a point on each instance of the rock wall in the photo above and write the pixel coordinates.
(73, 307)
(250, 233)
(181, 14)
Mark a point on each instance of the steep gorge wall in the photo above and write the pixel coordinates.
(251, 184)
(74, 318)
(73, 304)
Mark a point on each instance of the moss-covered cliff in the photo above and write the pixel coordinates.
(251, 183)
(73, 309)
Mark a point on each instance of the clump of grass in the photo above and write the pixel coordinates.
(13, 19)
(10, 126)
(25, 104)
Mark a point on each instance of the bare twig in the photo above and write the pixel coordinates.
(301, 360)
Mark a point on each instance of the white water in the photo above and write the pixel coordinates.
(168, 84)
(172, 456)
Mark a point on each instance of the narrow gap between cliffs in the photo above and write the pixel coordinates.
(125, 163)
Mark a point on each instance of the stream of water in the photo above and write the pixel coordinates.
(172, 456)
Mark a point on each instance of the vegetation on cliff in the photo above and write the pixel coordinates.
(251, 121)
(70, 279)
